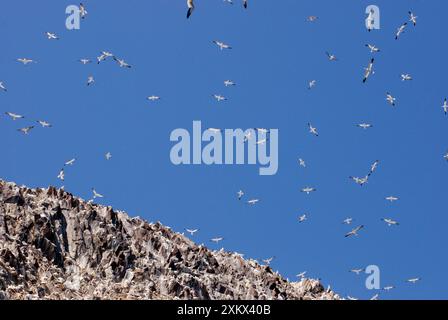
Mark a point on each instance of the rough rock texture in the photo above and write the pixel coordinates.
(56, 246)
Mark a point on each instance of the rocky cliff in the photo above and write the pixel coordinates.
(54, 245)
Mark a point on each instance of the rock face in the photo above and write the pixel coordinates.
(56, 246)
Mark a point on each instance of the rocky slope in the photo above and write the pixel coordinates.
(56, 246)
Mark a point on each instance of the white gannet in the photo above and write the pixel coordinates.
(44, 124)
(313, 130)
(400, 30)
(90, 80)
(14, 116)
(364, 125)
(26, 130)
(51, 36)
(390, 222)
(303, 218)
(347, 221)
(85, 61)
(253, 202)
(229, 83)
(108, 156)
(444, 107)
(122, 63)
(413, 280)
(192, 231)
(312, 84)
(406, 77)
(308, 190)
(190, 5)
(331, 56)
(390, 99)
(219, 97)
(412, 18)
(96, 194)
(222, 45)
(354, 232)
(302, 163)
(61, 175)
(82, 11)
(240, 194)
(373, 48)
(368, 71)
(153, 98)
(70, 162)
(357, 271)
(25, 61)
(391, 198)
(217, 239)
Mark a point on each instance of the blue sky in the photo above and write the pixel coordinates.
(275, 53)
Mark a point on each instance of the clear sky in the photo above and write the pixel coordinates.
(275, 53)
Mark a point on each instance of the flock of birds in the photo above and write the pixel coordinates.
(359, 180)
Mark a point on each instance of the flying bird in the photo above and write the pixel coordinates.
(413, 18)
(388, 288)
(268, 261)
(354, 232)
(2, 86)
(61, 175)
(70, 162)
(253, 202)
(303, 218)
(90, 80)
(219, 97)
(25, 61)
(14, 116)
(368, 71)
(301, 275)
(122, 63)
(373, 167)
(373, 48)
(108, 156)
(446, 156)
(391, 198)
(347, 221)
(390, 99)
(240, 194)
(331, 57)
(82, 11)
(357, 271)
(229, 83)
(190, 5)
(406, 77)
(390, 222)
(96, 194)
(413, 280)
(153, 98)
(191, 231)
(400, 30)
(245, 4)
(85, 61)
(444, 107)
(308, 190)
(26, 130)
(312, 84)
(360, 181)
(312, 18)
(216, 240)
(302, 163)
(364, 125)
(44, 124)
(222, 45)
(51, 36)
(313, 130)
